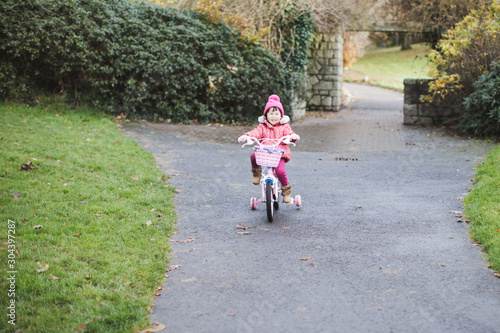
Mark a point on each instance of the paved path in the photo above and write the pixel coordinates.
(378, 231)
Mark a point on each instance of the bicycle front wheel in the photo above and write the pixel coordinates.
(269, 201)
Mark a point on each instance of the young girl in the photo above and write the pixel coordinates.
(273, 125)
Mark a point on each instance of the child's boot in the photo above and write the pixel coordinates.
(286, 191)
(256, 175)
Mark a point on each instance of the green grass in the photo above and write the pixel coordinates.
(390, 66)
(93, 191)
(482, 207)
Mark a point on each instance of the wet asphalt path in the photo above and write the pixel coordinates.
(376, 246)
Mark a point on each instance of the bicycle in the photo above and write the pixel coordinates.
(269, 156)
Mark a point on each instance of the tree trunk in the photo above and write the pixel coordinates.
(406, 45)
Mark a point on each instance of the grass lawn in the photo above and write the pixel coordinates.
(91, 222)
(390, 66)
(482, 207)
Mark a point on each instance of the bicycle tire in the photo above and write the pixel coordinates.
(269, 201)
(277, 201)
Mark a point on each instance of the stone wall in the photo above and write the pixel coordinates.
(324, 73)
(417, 112)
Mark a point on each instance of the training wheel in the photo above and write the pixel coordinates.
(298, 201)
(253, 203)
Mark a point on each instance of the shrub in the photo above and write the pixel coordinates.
(482, 108)
(464, 55)
(135, 58)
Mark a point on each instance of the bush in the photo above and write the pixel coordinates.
(482, 108)
(135, 58)
(464, 55)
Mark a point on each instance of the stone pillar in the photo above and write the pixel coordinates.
(417, 112)
(324, 73)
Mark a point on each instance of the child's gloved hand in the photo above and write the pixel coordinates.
(243, 138)
(294, 137)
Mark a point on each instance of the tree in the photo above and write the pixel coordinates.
(438, 15)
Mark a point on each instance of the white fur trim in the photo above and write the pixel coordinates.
(283, 120)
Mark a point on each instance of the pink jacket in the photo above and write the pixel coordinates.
(277, 131)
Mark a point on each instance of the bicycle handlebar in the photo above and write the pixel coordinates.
(252, 140)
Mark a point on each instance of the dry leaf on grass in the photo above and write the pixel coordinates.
(159, 327)
(26, 166)
(42, 268)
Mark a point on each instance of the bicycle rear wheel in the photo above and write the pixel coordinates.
(269, 201)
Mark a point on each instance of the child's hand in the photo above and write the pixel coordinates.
(243, 138)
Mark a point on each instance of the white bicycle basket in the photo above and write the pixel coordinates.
(268, 155)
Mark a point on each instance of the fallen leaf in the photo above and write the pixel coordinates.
(306, 258)
(117, 143)
(148, 223)
(244, 227)
(38, 226)
(171, 268)
(157, 294)
(42, 268)
(312, 264)
(88, 140)
(135, 179)
(243, 233)
(54, 277)
(159, 288)
(16, 198)
(160, 214)
(497, 275)
(26, 166)
(152, 209)
(159, 327)
(231, 314)
(48, 156)
(78, 235)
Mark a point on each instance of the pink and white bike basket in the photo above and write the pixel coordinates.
(268, 155)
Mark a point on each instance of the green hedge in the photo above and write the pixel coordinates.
(481, 114)
(135, 58)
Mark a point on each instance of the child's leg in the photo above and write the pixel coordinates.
(253, 161)
(256, 170)
(281, 173)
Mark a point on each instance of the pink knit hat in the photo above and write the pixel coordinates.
(274, 101)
